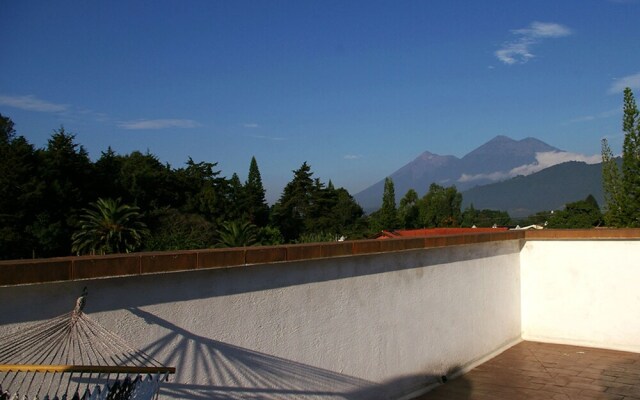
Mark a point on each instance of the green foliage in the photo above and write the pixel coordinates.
(64, 182)
(440, 207)
(175, 230)
(540, 218)
(581, 214)
(237, 234)
(307, 207)
(388, 212)
(109, 227)
(269, 236)
(386, 218)
(256, 203)
(408, 212)
(108, 176)
(291, 210)
(612, 183)
(206, 193)
(631, 161)
(46, 205)
(18, 202)
(622, 188)
(346, 215)
(7, 130)
(484, 218)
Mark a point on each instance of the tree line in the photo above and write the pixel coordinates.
(56, 201)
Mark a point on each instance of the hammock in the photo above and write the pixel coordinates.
(73, 357)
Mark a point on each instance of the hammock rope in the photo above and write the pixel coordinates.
(73, 357)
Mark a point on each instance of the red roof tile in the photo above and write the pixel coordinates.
(434, 232)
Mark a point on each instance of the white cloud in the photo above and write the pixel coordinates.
(586, 118)
(251, 125)
(493, 176)
(31, 103)
(264, 137)
(514, 53)
(159, 124)
(518, 51)
(352, 156)
(630, 81)
(543, 30)
(543, 160)
(551, 158)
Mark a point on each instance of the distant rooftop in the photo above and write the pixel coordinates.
(403, 233)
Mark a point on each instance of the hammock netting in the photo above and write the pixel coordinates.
(72, 357)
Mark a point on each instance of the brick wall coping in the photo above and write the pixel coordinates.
(31, 271)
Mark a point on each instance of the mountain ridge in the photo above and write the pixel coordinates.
(549, 189)
(495, 158)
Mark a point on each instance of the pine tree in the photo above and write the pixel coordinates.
(622, 188)
(64, 185)
(19, 201)
(293, 207)
(238, 197)
(388, 211)
(256, 202)
(631, 161)
(612, 183)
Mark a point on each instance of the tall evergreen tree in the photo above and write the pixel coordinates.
(346, 214)
(388, 212)
(64, 184)
(256, 202)
(408, 210)
(7, 130)
(631, 161)
(147, 182)
(622, 188)
(291, 210)
(18, 202)
(108, 175)
(206, 192)
(237, 200)
(612, 182)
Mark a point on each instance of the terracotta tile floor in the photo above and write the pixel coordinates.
(531, 370)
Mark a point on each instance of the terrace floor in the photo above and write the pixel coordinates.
(531, 370)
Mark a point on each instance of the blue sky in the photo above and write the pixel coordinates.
(355, 88)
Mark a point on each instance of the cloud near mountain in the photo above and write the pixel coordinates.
(499, 159)
(543, 160)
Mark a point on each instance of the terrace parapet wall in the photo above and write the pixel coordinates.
(34, 271)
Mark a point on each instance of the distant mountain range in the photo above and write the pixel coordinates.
(549, 189)
(500, 165)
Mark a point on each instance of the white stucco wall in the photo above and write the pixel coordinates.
(361, 327)
(582, 292)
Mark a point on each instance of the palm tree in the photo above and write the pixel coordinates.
(109, 227)
(237, 234)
